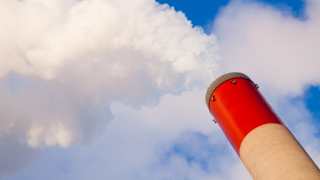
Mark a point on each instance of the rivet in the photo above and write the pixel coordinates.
(257, 86)
(233, 81)
(213, 98)
(214, 121)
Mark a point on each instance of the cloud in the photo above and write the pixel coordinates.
(150, 143)
(15, 157)
(62, 63)
(73, 58)
(271, 46)
(68, 67)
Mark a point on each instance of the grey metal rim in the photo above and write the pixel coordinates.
(221, 80)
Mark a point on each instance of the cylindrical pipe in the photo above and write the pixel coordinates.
(265, 145)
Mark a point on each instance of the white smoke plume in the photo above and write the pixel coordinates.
(62, 62)
(71, 59)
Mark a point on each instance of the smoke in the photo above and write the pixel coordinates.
(63, 62)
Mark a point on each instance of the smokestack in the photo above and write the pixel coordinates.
(265, 145)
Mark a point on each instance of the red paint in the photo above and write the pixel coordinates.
(239, 108)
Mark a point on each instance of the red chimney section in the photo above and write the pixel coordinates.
(264, 144)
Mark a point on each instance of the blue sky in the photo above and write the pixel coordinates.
(103, 91)
(203, 12)
(312, 98)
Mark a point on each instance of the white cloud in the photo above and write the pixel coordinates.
(56, 134)
(175, 140)
(150, 144)
(62, 63)
(271, 46)
(86, 54)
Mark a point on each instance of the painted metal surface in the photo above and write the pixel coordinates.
(239, 107)
(265, 145)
